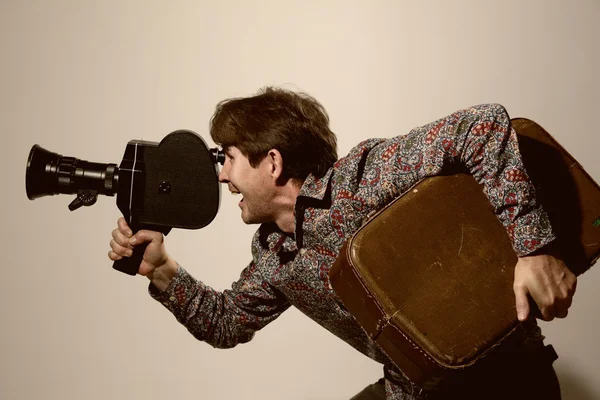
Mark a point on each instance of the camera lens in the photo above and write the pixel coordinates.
(50, 173)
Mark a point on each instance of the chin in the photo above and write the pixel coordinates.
(248, 219)
(253, 219)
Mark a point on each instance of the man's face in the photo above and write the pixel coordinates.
(254, 184)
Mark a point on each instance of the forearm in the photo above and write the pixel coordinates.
(222, 319)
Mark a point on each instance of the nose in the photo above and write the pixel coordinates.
(223, 174)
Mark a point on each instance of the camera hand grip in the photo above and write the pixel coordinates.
(131, 265)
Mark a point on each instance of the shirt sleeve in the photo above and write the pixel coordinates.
(481, 140)
(222, 319)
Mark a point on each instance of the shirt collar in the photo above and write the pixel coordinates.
(316, 188)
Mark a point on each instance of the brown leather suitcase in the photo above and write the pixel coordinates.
(429, 277)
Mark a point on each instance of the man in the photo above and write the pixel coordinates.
(281, 157)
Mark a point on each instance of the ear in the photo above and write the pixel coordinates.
(275, 164)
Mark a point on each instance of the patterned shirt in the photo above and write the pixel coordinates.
(293, 270)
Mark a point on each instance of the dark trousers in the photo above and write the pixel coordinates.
(514, 376)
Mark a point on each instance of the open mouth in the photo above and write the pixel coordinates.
(236, 193)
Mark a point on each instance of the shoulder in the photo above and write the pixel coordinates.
(358, 152)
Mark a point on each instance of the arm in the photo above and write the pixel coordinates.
(481, 140)
(222, 319)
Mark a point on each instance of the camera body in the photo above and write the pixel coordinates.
(159, 186)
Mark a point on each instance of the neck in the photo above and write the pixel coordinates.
(285, 218)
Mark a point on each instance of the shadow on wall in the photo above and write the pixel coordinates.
(573, 386)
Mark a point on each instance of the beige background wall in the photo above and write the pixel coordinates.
(83, 77)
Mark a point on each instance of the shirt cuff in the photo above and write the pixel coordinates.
(174, 296)
(531, 232)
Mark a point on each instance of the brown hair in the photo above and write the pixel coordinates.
(293, 123)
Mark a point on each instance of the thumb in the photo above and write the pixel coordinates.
(522, 302)
(144, 236)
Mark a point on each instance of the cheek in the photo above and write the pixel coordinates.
(233, 173)
(238, 178)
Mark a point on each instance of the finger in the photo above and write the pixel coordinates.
(120, 238)
(542, 294)
(571, 280)
(521, 302)
(545, 306)
(120, 250)
(548, 313)
(114, 256)
(562, 304)
(566, 291)
(568, 277)
(561, 312)
(124, 227)
(566, 303)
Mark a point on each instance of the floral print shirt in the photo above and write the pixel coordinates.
(292, 270)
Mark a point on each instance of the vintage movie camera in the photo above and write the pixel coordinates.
(159, 186)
